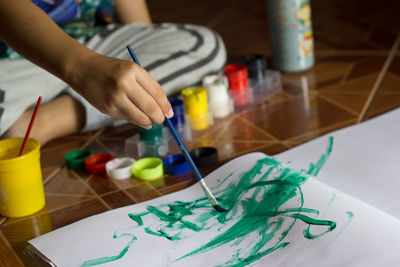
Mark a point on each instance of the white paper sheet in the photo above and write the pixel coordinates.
(363, 236)
(364, 163)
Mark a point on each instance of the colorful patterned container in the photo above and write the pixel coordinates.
(291, 34)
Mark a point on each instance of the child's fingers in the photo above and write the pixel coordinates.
(133, 114)
(152, 87)
(145, 102)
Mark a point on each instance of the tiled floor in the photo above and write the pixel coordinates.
(352, 39)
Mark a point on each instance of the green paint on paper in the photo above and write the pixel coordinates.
(266, 201)
(111, 258)
(138, 217)
(262, 203)
(161, 233)
(176, 213)
(334, 195)
(350, 216)
(314, 168)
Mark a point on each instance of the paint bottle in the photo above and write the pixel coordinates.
(291, 34)
(21, 182)
(178, 120)
(148, 143)
(219, 101)
(256, 67)
(238, 85)
(179, 123)
(196, 109)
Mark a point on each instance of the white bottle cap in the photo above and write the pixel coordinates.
(120, 168)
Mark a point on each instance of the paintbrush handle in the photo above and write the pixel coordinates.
(183, 149)
(28, 131)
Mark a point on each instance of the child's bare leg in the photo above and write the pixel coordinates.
(59, 117)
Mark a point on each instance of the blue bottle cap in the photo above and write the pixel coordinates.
(176, 164)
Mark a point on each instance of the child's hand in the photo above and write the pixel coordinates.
(121, 89)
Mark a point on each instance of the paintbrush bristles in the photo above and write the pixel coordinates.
(211, 197)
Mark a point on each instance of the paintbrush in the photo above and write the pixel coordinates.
(185, 153)
(28, 131)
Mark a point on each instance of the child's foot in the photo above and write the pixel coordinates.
(60, 117)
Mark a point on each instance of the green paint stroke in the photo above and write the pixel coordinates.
(266, 201)
(138, 217)
(111, 258)
(161, 233)
(314, 168)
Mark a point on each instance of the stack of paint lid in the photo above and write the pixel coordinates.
(219, 101)
(196, 109)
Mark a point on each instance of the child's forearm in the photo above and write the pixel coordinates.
(117, 87)
(129, 11)
(29, 31)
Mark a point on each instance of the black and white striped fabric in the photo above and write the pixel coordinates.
(176, 55)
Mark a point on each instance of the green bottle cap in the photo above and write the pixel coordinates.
(151, 135)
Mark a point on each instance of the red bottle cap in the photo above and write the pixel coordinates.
(237, 77)
(96, 164)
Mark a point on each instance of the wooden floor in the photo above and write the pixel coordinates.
(352, 39)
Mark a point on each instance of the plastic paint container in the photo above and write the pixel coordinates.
(256, 67)
(195, 102)
(178, 120)
(151, 135)
(238, 85)
(217, 90)
(237, 77)
(21, 184)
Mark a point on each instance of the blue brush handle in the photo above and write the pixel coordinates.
(133, 56)
(173, 131)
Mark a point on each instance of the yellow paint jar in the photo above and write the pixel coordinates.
(21, 184)
(195, 101)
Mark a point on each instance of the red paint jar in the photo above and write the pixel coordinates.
(237, 77)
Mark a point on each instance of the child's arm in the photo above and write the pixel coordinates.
(116, 87)
(128, 11)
